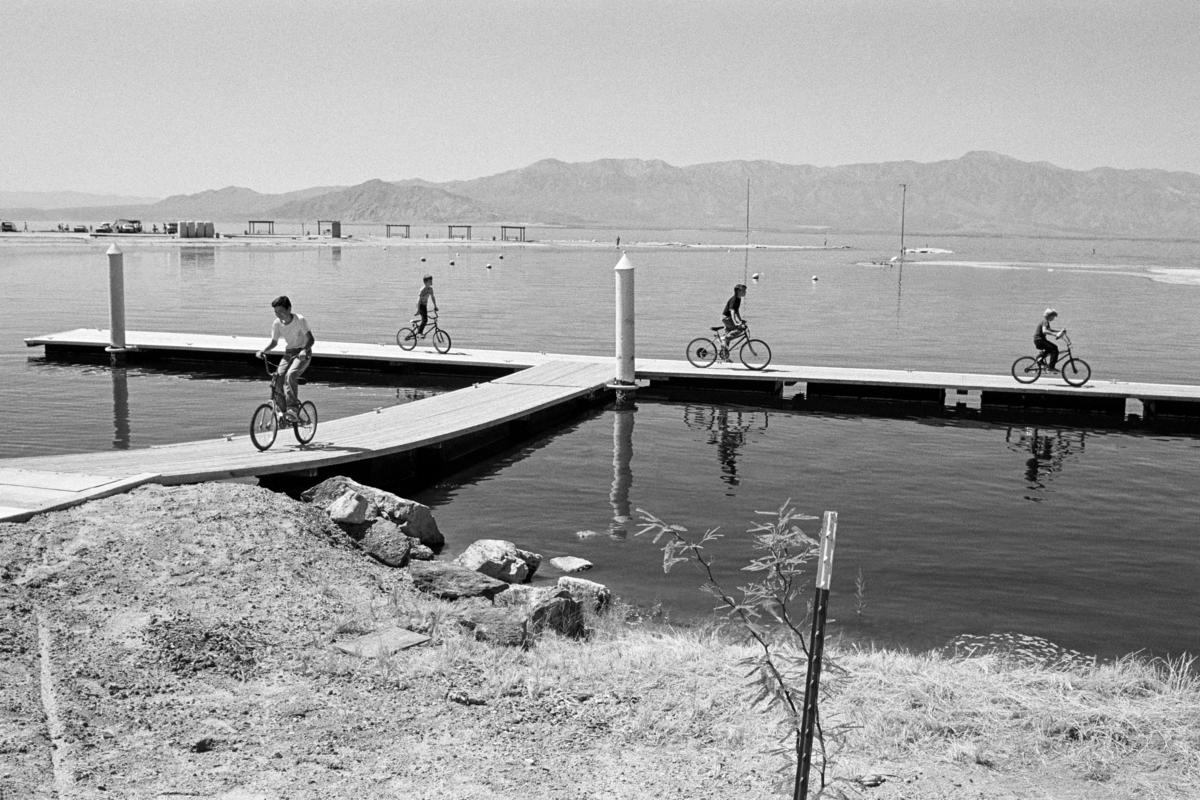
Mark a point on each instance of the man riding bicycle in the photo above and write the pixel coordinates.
(298, 342)
(731, 316)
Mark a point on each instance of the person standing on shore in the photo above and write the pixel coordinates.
(298, 342)
(1041, 338)
(423, 300)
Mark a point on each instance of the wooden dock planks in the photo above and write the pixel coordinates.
(35, 484)
(537, 381)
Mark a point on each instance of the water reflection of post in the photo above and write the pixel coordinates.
(120, 392)
(622, 471)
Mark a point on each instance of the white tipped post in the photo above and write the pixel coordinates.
(625, 337)
(116, 302)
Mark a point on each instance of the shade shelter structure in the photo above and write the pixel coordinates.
(406, 230)
(261, 226)
(459, 231)
(512, 233)
(329, 227)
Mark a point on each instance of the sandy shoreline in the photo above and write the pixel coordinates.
(42, 238)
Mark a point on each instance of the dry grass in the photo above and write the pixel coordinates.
(659, 685)
(1129, 716)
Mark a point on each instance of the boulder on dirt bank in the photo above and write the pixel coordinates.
(545, 607)
(415, 519)
(385, 542)
(500, 559)
(504, 626)
(592, 595)
(451, 581)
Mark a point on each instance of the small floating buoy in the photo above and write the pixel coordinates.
(422, 258)
(452, 263)
(489, 266)
(814, 278)
(379, 409)
(754, 277)
(501, 257)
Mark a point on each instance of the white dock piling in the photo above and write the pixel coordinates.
(116, 303)
(624, 327)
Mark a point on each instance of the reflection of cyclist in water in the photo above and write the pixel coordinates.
(1047, 452)
(729, 430)
(728, 441)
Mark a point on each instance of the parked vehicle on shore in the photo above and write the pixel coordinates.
(128, 226)
(8, 227)
(104, 227)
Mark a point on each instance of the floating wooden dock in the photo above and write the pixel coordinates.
(521, 386)
(812, 382)
(462, 419)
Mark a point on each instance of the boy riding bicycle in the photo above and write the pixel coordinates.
(423, 301)
(1041, 339)
(298, 342)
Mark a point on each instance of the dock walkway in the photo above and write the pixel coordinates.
(41, 483)
(522, 384)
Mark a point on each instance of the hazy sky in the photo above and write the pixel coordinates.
(177, 96)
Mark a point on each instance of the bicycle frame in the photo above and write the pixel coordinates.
(736, 337)
(1064, 353)
(278, 397)
(755, 354)
(1073, 369)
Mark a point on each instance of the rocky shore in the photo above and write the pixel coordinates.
(223, 641)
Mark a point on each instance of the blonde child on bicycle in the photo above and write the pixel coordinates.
(298, 342)
(1041, 339)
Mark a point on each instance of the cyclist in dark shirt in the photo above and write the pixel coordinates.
(731, 316)
(1041, 339)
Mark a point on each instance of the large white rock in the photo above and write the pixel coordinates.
(349, 509)
(500, 559)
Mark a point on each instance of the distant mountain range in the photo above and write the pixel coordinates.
(980, 192)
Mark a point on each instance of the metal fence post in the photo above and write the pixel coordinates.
(816, 647)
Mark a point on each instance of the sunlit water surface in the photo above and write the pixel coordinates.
(1083, 535)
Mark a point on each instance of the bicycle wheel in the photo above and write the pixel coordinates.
(264, 426)
(755, 354)
(701, 352)
(406, 338)
(1075, 371)
(1026, 369)
(306, 428)
(441, 341)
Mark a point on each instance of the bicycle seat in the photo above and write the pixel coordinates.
(718, 327)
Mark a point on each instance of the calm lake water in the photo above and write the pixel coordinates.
(1085, 536)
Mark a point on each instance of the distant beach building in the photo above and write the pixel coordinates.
(261, 226)
(329, 227)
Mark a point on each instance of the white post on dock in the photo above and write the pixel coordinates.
(116, 304)
(624, 381)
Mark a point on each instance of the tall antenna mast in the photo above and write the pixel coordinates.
(746, 260)
(903, 197)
